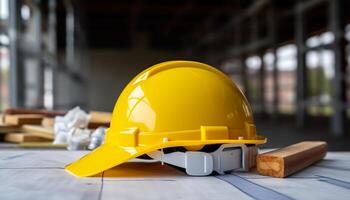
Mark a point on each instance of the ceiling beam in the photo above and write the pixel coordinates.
(178, 15)
(134, 15)
(159, 8)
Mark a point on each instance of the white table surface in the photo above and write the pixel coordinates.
(40, 174)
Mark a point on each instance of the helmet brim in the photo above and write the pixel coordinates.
(104, 157)
(108, 155)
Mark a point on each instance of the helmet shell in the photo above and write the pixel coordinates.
(172, 104)
(180, 97)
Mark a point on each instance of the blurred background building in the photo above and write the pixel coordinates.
(290, 57)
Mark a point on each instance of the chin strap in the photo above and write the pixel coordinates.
(227, 158)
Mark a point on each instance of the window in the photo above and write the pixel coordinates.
(253, 64)
(320, 72)
(286, 67)
(268, 60)
(4, 9)
(4, 55)
(4, 77)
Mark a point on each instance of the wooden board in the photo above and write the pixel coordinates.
(39, 131)
(21, 119)
(23, 137)
(33, 174)
(98, 116)
(47, 113)
(6, 128)
(48, 122)
(99, 119)
(288, 160)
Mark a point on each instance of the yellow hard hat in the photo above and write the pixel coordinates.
(172, 104)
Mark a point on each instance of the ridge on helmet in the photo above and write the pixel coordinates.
(173, 104)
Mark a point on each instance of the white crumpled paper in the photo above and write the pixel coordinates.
(72, 129)
(78, 139)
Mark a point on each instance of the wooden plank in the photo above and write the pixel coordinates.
(39, 131)
(47, 113)
(23, 137)
(283, 162)
(100, 116)
(21, 119)
(6, 128)
(99, 119)
(48, 122)
(41, 145)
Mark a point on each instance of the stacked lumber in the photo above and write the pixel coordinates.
(46, 113)
(39, 131)
(35, 127)
(6, 128)
(20, 119)
(24, 137)
(26, 125)
(48, 122)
